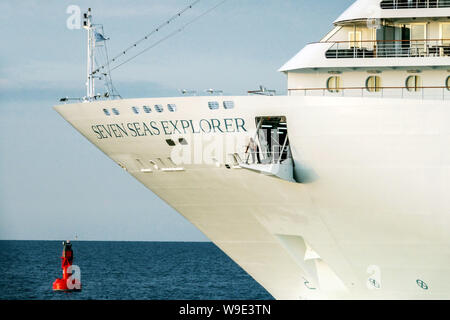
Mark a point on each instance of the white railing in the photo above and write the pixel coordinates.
(278, 155)
(414, 4)
(389, 49)
(421, 93)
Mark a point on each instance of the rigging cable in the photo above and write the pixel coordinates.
(103, 54)
(114, 91)
(148, 35)
(171, 34)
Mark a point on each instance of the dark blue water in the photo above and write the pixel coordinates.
(125, 270)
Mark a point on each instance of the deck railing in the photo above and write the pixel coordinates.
(389, 49)
(436, 93)
(414, 4)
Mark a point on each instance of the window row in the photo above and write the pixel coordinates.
(414, 4)
(214, 105)
(374, 83)
(158, 107)
(145, 109)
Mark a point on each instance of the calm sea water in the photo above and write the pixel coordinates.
(125, 270)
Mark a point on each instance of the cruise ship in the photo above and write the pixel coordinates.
(339, 189)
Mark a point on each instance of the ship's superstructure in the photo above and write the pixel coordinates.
(379, 48)
(338, 190)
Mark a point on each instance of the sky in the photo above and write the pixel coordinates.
(53, 183)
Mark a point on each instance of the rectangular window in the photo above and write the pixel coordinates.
(228, 104)
(172, 107)
(213, 105)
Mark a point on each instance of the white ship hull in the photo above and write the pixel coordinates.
(370, 219)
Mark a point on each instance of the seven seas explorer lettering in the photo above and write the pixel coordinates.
(170, 127)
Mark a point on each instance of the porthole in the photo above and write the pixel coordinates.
(228, 104)
(115, 111)
(147, 109)
(213, 105)
(413, 83)
(447, 83)
(373, 84)
(135, 110)
(172, 107)
(334, 84)
(105, 111)
(159, 108)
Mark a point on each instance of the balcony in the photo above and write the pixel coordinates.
(414, 4)
(389, 49)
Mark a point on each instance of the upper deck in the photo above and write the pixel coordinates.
(414, 4)
(375, 33)
(396, 48)
(394, 9)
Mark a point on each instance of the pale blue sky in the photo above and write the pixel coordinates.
(54, 183)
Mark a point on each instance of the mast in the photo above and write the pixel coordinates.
(90, 84)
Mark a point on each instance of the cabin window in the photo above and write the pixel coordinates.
(115, 111)
(159, 108)
(228, 104)
(182, 141)
(135, 110)
(334, 84)
(147, 109)
(413, 83)
(213, 105)
(373, 84)
(105, 111)
(170, 142)
(172, 107)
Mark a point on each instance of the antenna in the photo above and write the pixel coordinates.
(96, 40)
(90, 82)
(213, 91)
(263, 91)
(96, 49)
(191, 92)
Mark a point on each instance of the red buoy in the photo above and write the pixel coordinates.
(68, 282)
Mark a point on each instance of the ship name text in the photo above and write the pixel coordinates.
(169, 127)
